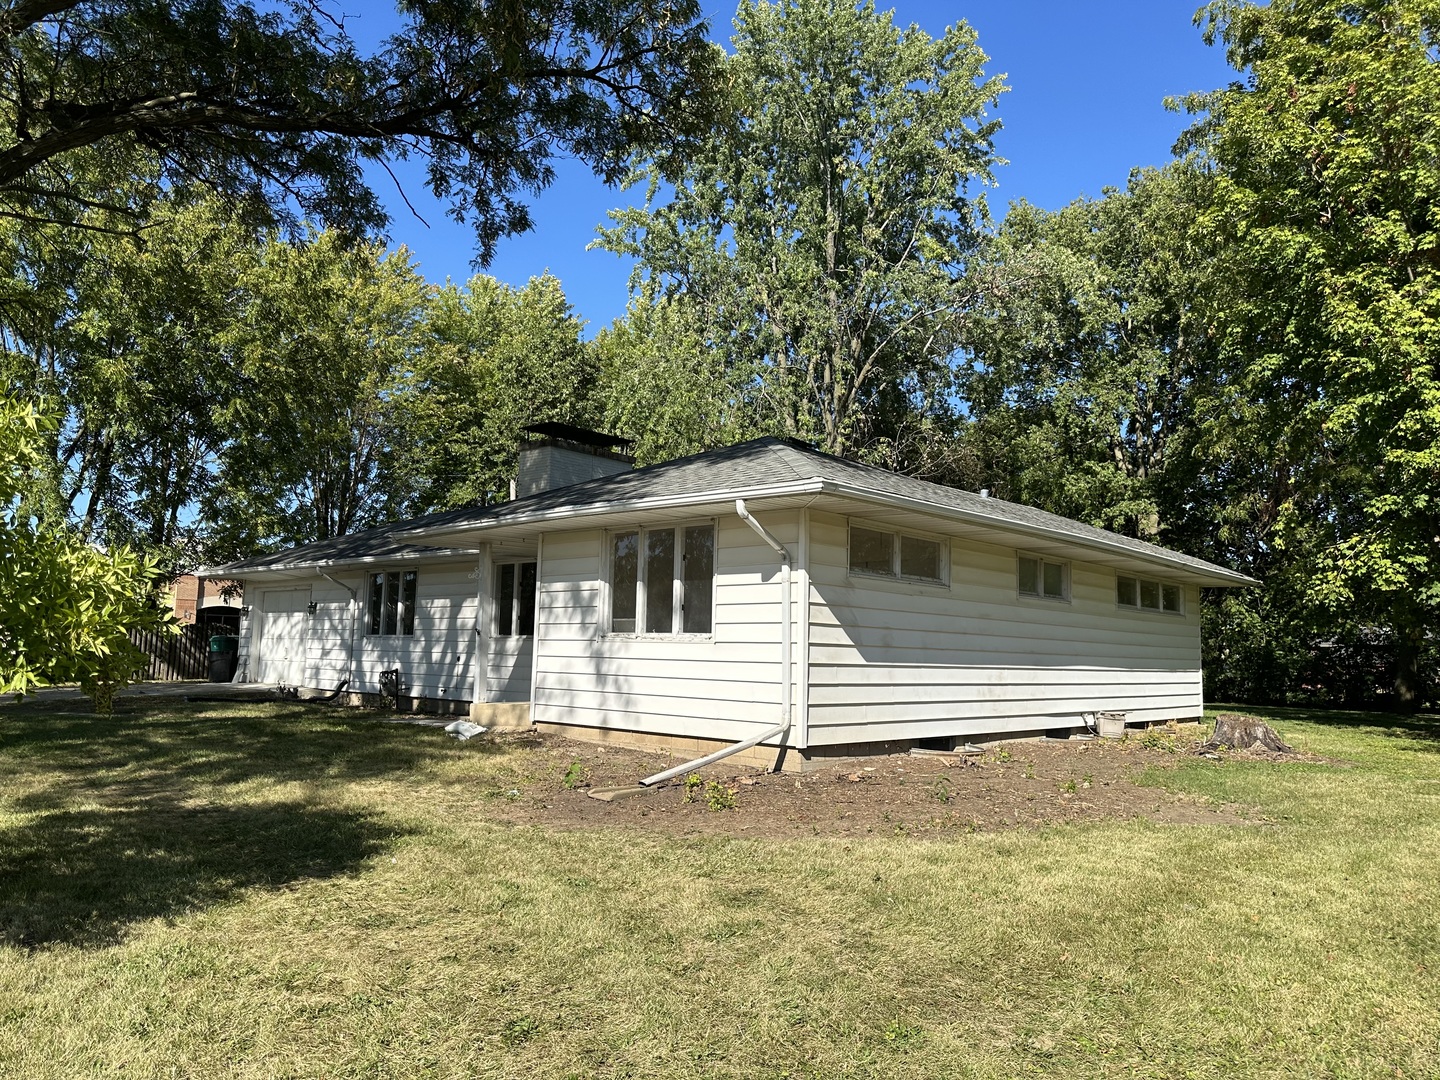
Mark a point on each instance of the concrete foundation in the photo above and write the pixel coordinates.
(501, 715)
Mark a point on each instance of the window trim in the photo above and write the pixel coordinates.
(677, 582)
(404, 614)
(1159, 583)
(896, 535)
(1068, 588)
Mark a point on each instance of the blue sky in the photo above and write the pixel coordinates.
(1084, 108)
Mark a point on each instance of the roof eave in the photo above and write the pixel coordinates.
(809, 486)
(232, 571)
(1219, 575)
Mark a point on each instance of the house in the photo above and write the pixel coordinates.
(212, 605)
(764, 590)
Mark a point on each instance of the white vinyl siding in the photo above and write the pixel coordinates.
(436, 661)
(896, 660)
(722, 686)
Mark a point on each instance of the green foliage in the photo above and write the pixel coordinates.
(1327, 161)
(66, 608)
(496, 358)
(278, 105)
(1085, 349)
(322, 336)
(821, 233)
(693, 783)
(719, 797)
(665, 387)
(577, 775)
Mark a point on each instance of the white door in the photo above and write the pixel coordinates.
(282, 635)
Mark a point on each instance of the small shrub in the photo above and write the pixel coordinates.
(719, 797)
(693, 783)
(575, 776)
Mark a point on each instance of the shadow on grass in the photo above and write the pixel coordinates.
(84, 876)
(173, 745)
(1423, 727)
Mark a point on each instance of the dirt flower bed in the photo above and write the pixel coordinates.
(1013, 785)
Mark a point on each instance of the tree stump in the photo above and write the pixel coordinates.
(1236, 732)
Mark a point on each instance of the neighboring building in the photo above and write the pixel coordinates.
(710, 599)
(205, 602)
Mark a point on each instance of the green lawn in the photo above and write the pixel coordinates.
(215, 891)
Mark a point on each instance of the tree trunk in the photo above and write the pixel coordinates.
(1236, 732)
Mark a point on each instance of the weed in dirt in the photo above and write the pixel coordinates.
(1157, 740)
(1002, 755)
(941, 789)
(693, 783)
(577, 775)
(718, 797)
(1069, 787)
(519, 1031)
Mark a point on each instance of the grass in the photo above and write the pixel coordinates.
(271, 891)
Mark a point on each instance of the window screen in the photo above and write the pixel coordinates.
(660, 581)
(920, 558)
(872, 551)
(505, 600)
(392, 602)
(525, 615)
(407, 602)
(624, 581)
(1030, 576)
(1172, 598)
(699, 577)
(1042, 578)
(377, 602)
(1150, 595)
(1127, 591)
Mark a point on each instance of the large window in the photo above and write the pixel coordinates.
(1149, 595)
(662, 581)
(896, 555)
(515, 599)
(392, 602)
(1044, 579)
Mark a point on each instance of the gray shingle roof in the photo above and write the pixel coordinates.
(371, 544)
(734, 471)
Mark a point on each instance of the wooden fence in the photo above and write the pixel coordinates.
(185, 655)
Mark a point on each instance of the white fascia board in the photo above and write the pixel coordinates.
(810, 486)
(1222, 578)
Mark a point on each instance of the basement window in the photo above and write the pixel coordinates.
(515, 599)
(896, 555)
(662, 581)
(1148, 595)
(392, 603)
(1043, 579)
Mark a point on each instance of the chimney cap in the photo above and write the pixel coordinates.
(571, 433)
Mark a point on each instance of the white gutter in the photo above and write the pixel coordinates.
(786, 632)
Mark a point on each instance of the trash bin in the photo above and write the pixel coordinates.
(224, 655)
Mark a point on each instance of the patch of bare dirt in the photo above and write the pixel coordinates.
(1022, 784)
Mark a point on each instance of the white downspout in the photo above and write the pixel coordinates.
(780, 729)
(786, 626)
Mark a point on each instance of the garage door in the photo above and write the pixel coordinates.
(282, 635)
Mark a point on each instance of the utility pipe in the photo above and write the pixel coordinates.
(781, 728)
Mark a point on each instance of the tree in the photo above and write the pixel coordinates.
(278, 103)
(1086, 348)
(664, 387)
(66, 608)
(1328, 184)
(495, 359)
(323, 339)
(821, 232)
(128, 351)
